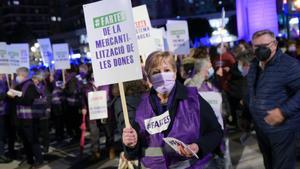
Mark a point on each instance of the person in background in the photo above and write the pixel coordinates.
(203, 72)
(42, 108)
(95, 125)
(238, 84)
(187, 70)
(28, 125)
(57, 105)
(202, 52)
(201, 80)
(170, 101)
(244, 46)
(222, 64)
(73, 93)
(273, 99)
(292, 49)
(282, 44)
(3, 118)
(197, 53)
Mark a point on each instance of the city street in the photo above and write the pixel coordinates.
(68, 156)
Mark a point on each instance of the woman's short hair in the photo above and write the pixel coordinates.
(157, 58)
(201, 63)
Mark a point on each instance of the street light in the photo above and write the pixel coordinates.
(33, 49)
(297, 4)
(36, 45)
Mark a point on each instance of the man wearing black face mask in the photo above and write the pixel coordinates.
(274, 101)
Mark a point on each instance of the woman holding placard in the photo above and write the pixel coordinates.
(174, 126)
(95, 124)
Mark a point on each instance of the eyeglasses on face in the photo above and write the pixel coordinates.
(263, 44)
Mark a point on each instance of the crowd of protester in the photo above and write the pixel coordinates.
(48, 103)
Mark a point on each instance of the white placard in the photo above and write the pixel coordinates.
(97, 105)
(215, 101)
(46, 50)
(112, 40)
(14, 58)
(178, 37)
(13, 92)
(61, 56)
(158, 124)
(174, 143)
(4, 59)
(158, 38)
(24, 54)
(143, 31)
(18, 55)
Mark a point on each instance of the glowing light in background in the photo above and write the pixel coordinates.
(297, 3)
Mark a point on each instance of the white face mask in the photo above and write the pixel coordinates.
(211, 72)
(244, 70)
(163, 82)
(19, 79)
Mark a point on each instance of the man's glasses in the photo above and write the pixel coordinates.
(263, 44)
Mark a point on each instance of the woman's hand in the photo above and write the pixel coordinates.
(186, 152)
(129, 137)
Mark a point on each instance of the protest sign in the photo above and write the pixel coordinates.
(158, 38)
(215, 101)
(46, 51)
(13, 92)
(97, 105)
(14, 58)
(24, 54)
(61, 56)
(4, 62)
(178, 37)
(112, 41)
(143, 31)
(4, 59)
(18, 55)
(113, 44)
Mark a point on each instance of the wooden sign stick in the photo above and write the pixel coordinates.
(63, 76)
(7, 79)
(124, 105)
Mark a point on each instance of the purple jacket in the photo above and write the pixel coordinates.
(40, 105)
(185, 127)
(57, 96)
(3, 90)
(73, 90)
(25, 111)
